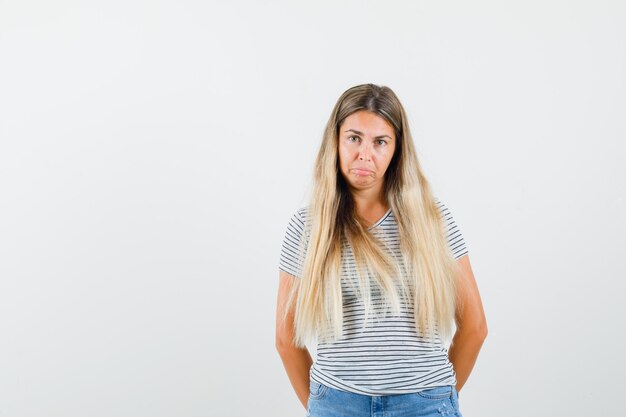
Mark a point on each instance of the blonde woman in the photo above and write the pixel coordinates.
(375, 270)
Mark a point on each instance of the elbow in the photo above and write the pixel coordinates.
(282, 344)
(279, 343)
(482, 331)
(476, 330)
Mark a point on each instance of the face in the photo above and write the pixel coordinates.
(366, 146)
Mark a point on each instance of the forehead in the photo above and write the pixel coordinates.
(368, 122)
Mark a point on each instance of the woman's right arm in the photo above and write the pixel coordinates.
(297, 361)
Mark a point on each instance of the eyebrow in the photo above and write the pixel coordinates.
(361, 133)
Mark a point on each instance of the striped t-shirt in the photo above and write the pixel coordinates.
(387, 356)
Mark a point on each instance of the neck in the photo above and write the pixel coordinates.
(367, 201)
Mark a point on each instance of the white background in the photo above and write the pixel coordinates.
(152, 153)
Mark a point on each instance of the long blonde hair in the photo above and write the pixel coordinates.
(424, 274)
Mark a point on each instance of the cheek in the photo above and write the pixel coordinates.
(384, 156)
(340, 159)
(344, 156)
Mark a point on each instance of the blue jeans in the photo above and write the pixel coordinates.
(325, 401)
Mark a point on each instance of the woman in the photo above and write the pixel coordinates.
(375, 270)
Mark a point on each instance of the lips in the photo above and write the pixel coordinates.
(362, 171)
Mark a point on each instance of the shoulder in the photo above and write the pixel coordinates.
(446, 217)
(443, 209)
(455, 238)
(298, 222)
(444, 212)
(303, 212)
(301, 215)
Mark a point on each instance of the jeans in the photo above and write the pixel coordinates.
(325, 401)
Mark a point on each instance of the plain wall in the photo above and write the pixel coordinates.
(152, 153)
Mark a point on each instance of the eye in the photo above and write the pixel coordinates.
(383, 142)
(350, 137)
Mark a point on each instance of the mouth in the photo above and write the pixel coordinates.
(362, 171)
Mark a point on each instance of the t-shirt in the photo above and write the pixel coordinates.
(388, 356)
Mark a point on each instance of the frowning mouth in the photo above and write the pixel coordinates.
(359, 171)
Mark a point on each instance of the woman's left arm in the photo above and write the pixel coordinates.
(470, 322)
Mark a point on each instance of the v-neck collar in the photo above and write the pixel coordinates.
(380, 220)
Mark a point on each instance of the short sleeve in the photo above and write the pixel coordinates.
(456, 242)
(293, 249)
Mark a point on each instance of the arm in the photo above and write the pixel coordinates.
(297, 361)
(471, 324)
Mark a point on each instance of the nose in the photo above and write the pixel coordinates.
(364, 152)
